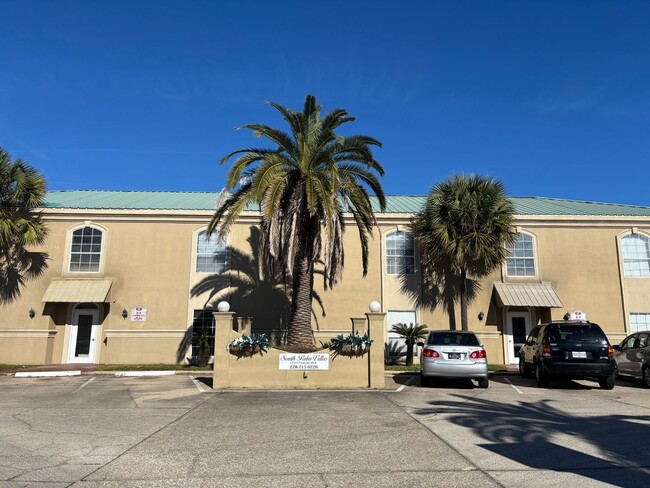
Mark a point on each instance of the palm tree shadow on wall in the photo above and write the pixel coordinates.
(257, 289)
(438, 286)
(17, 266)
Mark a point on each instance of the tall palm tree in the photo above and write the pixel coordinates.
(467, 222)
(303, 186)
(22, 190)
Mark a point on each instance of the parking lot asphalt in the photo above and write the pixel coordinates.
(173, 431)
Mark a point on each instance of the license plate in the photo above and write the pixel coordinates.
(454, 355)
(579, 354)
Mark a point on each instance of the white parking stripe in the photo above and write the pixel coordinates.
(200, 385)
(410, 380)
(515, 388)
(85, 384)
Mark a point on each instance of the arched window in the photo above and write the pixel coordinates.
(86, 250)
(400, 253)
(211, 254)
(636, 256)
(521, 260)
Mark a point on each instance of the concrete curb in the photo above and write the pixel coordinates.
(45, 374)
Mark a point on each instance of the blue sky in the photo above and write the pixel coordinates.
(551, 97)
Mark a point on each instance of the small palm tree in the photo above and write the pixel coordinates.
(411, 334)
(467, 222)
(303, 186)
(393, 353)
(22, 190)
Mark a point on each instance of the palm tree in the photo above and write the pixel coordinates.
(303, 186)
(467, 222)
(257, 288)
(411, 334)
(22, 190)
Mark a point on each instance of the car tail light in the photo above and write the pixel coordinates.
(480, 354)
(430, 353)
(546, 350)
(610, 351)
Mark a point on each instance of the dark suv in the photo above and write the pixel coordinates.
(568, 349)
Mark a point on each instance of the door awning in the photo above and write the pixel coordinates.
(78, 291)
(527, 295)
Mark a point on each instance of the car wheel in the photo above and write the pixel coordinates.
(540, 377)
(484, 382)
(646, 375)
(615, 370)
(523, 371)
(607, 383)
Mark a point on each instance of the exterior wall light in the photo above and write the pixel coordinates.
(31, 313)
(375, 307)
(481, 315)
(125, 314)
(223, 307)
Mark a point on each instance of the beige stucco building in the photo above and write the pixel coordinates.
(129, 273)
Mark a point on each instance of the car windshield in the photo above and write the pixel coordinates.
(452, 339)
(575, 333)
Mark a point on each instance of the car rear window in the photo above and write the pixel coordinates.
(575, 333)
(452, 338)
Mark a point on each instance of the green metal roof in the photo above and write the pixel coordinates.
(131, 200)
(168, 200)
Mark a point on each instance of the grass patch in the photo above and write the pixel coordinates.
(402, 367)
(151, 367)
(497, 367)
(12, 367)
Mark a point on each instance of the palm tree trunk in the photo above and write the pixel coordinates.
(300, 331)
(463, 299)
(409, 353)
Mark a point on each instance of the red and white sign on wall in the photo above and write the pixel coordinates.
(139, 314)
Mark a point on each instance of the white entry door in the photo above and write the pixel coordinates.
(518, 328)
(83, 336)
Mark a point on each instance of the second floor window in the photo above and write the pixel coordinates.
(86, 250)
(636, 256)
(211, 254)
(400, 253)
(521, 260)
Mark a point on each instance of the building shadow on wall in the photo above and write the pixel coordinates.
(257, 288)
(17, 266)
(540, 436)
(438, 286)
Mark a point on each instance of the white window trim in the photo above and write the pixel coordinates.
(645, 326)
(621, 238)
(68, 250)
(535, 259)
(195, 253)
(387, 235)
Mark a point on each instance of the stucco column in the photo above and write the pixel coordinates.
(359, 325)
(376, 328)
(223, 322)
